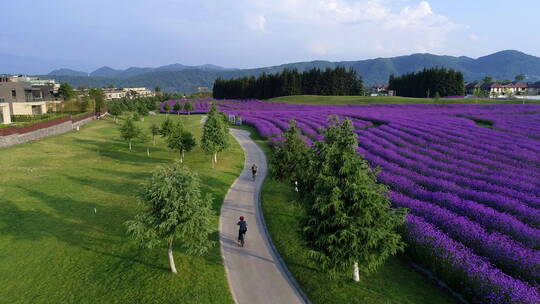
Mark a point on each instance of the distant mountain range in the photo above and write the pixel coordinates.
(134, 71)
(181, 78)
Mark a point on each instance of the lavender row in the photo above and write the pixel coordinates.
(462, 269)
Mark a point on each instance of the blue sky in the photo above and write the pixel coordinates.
(38, 35)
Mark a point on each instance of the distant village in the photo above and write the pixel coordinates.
(490, 89)
(24, 95)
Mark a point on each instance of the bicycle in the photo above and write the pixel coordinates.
(242, 237)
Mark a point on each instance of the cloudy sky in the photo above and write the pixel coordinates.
(87, 34)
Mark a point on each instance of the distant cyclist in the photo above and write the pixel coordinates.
(242, 230)
(254, 170)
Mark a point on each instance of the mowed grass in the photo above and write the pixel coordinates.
(369, 100)
(395, 282)
(63, 202)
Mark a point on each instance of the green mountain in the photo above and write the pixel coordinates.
(180, 78)
(67, 72)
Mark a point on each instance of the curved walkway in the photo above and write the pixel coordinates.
(255, 272)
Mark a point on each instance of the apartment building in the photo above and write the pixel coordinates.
(21, 95)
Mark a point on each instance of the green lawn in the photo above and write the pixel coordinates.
(395, 282)
(365, 100)
(63, 201)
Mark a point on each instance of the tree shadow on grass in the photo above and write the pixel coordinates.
(72, 222)
(118, 151)
(113, 186)
(139, 176)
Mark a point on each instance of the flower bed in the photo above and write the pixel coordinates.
(473, 192)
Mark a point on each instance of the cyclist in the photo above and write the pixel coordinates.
(254, 170)
(242, 230)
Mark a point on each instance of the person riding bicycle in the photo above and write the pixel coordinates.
(242, 229)
(254, 170)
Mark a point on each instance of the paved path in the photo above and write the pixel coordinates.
(255, 272)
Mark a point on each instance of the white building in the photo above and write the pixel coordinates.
(138, 92)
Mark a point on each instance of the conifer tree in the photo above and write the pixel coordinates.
(350, 221)
(166, 127)
(129, 131)
(215, 135)
(290, 156)
(188, 107)
(180, 140)
(177, 107)
(167, 108)
(154, 130)
(174, 211)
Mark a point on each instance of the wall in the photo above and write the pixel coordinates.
(25, 108)
(5, 113)
(14, 136)
(19, 87)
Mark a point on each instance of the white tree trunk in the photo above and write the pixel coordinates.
(182, 159)
(148, 151)
(213, 165)
(130, 145)
(171, 258)
(215, 157)
(356, 272)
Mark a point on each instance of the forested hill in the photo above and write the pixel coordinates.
(501, 65)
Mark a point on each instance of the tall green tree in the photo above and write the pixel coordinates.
(154, 130)
(181, 140)
(166, 127)
(173, 211)
(350, 221)
(488, 79)
(290, 156)
(215, 135)
(520, 77)
(66, 91)
(115, 110)
(167, 107)
(177, 107)
(84, 104)
(129, 131)
(99, 99)
(188, 107)
(142, 110)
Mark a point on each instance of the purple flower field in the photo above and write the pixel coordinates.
(473, 193)
(200, 106)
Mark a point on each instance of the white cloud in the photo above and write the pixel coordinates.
(256, 22)
(341, 28)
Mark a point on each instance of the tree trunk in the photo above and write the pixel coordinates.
(154, 140)
(171, 258)
(212, 159)
(130, 145)
(182, 159)
(356, 272)
(148, 151)
(215, 157)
